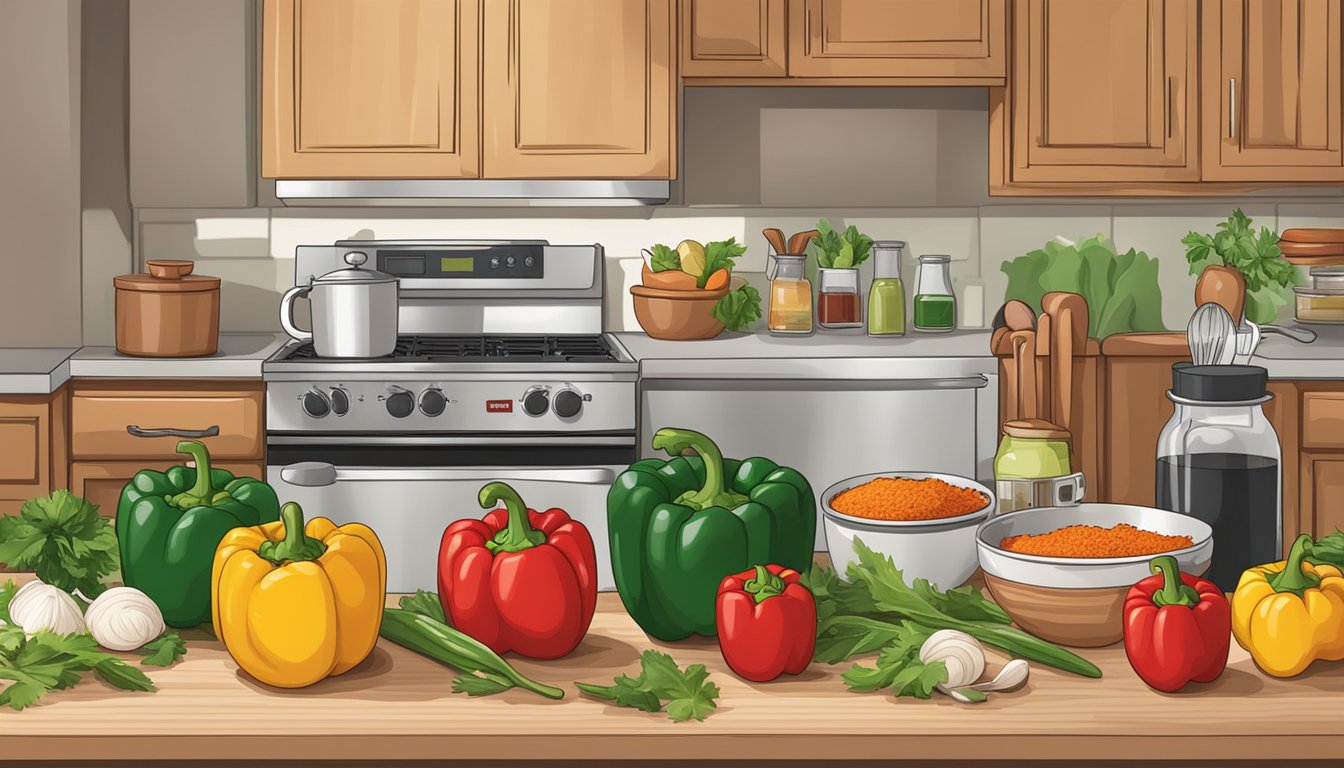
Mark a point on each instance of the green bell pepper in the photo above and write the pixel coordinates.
(169, 524)
(678, 527)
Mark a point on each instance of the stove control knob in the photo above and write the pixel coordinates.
(536, 401)
(432, 402)
(315, 404)
(340, 401)
(400, 403)
(568, 403)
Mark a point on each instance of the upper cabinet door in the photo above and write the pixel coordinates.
(579, 89)
(733, 38)
(370, 89)
(1272, 90)
(1105, 91)
(898, 38)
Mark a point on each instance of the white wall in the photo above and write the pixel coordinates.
(40, 295)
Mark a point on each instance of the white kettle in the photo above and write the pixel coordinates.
(354, 311)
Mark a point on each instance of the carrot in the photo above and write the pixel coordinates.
(717, 281)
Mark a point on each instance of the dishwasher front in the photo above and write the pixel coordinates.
(833, 429)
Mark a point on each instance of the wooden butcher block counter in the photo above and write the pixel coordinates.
(397, 706)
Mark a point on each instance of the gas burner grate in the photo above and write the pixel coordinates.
(434, 347)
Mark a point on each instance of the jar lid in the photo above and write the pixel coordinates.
(1035, 429)
(889, 244)
(935, 258)
(355, 275)
(167, 276)
(1218, 383)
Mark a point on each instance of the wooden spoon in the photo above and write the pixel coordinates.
(775, 237)
(1069, 320)
(798, 243)
(1015, 316)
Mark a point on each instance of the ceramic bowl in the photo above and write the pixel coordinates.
(942, 551)
(677, 315)
(1078, 601)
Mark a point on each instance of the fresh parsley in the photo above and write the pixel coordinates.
(164, 651)
(49, 662)
(64, 539)
(1269, 276)
(688, 695)
(664, 258)
(739, 309)
(719, 254)
(837, 250)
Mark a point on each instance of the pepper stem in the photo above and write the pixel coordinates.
(202, 488)
(1293, 578)
(1173, 591)
(297, 545)
(764, 585)
(519, 534)
(675, 442)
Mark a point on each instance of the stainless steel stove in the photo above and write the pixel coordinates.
(501, 372)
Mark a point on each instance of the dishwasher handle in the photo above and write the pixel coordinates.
(314, 474)
(309, 474)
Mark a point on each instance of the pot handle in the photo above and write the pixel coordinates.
(287, 312)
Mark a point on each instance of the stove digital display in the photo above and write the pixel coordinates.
(457, 264)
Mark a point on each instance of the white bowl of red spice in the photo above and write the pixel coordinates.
(1062, 572)
(924, 521)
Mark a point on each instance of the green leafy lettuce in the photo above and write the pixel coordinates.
(63, 539)
(1121, 289)
(1269, 276)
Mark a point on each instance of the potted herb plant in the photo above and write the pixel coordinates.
(839, 255)
(1250, 263)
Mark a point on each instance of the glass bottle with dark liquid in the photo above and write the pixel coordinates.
(1219, 461)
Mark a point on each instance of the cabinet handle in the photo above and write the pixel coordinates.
(1170, 110)
(170, 432)
(1231, 107)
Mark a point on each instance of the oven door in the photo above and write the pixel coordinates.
(408, 494)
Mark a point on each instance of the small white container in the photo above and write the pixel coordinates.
(942, 551)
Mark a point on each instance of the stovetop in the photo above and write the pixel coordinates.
(428, 348)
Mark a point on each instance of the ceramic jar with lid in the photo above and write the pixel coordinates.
(168, 312)
(1032, 469)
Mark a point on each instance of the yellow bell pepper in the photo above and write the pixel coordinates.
(295, 604)
(1290, 613)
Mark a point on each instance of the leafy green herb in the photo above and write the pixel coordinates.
(664, 258)
(1121, 289)
(739, 309)
(1269, 276)
(64, 539)
(840, 251)
(899, 668)
(689, 694)
(1327, 550)
(875, 609)
(50, 662)
(720, 254)
(164, 651)
(425, 604)
(7, 592)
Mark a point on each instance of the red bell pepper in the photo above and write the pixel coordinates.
(1177, 628)
(767, 623)
(519, 580)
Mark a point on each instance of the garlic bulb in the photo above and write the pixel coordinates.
(38, 606)
(123, 619)
(962, 654)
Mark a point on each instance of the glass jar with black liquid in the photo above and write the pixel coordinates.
(1218, 459)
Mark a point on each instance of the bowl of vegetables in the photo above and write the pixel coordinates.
(689, 292)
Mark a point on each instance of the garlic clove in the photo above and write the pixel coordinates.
(124, 619)
(38, 606)
(962, 654)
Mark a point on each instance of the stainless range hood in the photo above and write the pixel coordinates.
(473, 192)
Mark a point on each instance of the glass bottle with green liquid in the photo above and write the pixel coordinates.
(935, 305)
(886, 296)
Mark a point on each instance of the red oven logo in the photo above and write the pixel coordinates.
(499, 406)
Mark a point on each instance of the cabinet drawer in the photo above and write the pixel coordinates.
(101, 482)
(98, 422)
(1323, 420)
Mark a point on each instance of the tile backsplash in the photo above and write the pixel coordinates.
(253, 249)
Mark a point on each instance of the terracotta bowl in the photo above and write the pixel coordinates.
(1078, 601)
(677, 315)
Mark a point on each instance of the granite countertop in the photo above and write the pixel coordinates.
(34, 371)
(240, 356)
(823, 355)
(1286, 358)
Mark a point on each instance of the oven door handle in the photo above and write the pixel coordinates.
(317, 473)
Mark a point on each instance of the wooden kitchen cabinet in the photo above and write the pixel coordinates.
(1102, 91)
(357, 89)
(33, 444)
(734, 38)
(935, 39)
(1272, 90)
(579, 90)
(101, 482)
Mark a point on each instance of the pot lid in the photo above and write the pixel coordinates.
(167, 276)
(1035, 429)
(355, 275)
